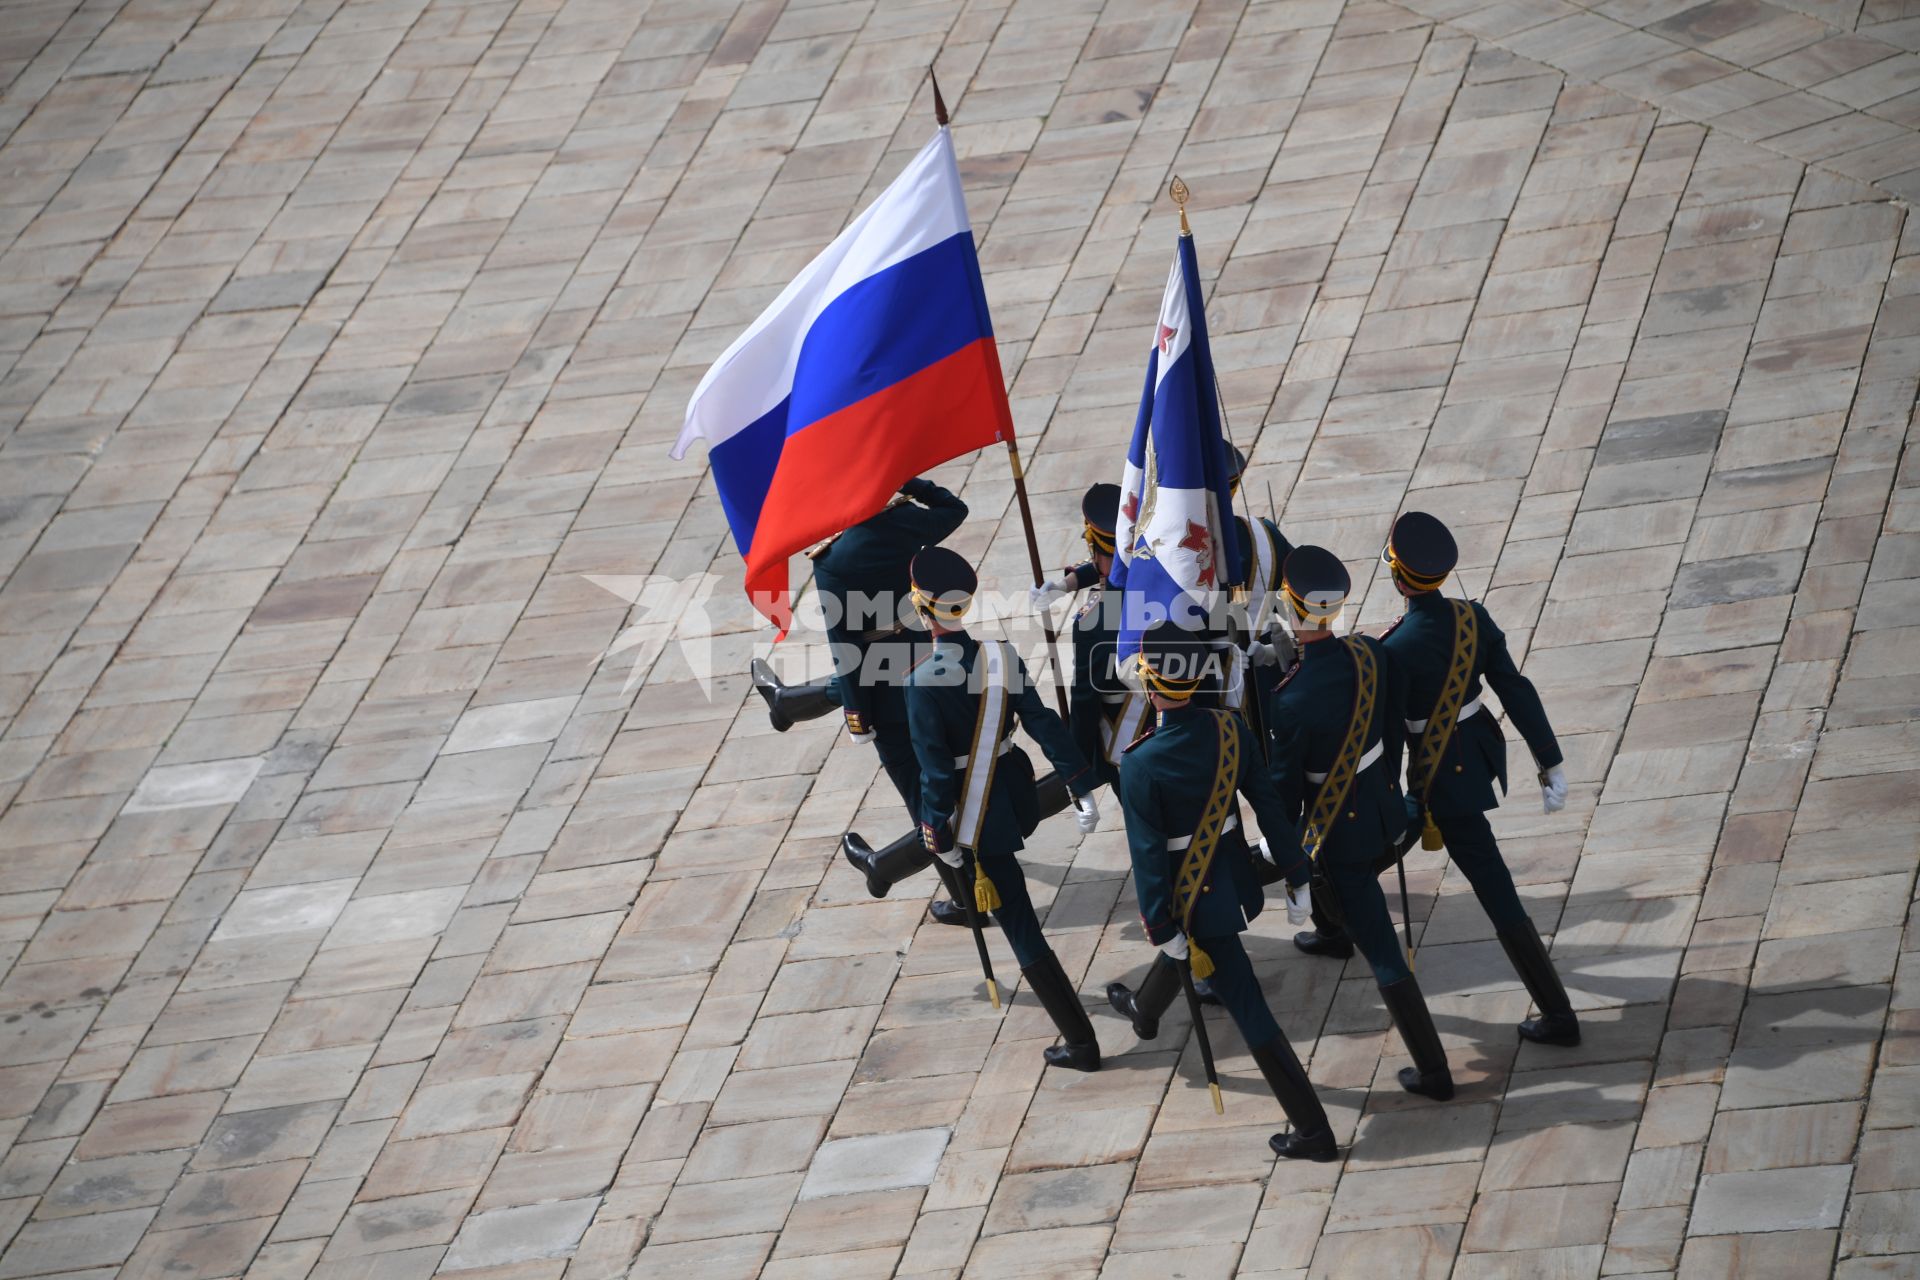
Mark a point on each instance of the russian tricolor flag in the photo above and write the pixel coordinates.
(1172, 549)
(877, 363)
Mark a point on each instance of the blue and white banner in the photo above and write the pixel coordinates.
(1175, 553)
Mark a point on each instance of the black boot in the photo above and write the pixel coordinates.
(1328, 937)
(945, 911)
(1081, 1048)
(1556, 1024)
(1429, 1075)
(889, 866)
(1157, 990)
(1322, 942)
(787, 703)
(1312, 1136)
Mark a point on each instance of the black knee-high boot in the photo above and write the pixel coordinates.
(1080, 1050)
(1429, 1075)
(1144, 1007)
(1556, 1024)
(1312, 1136)
(884, 868)
(789, 703)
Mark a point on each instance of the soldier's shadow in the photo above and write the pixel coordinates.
(1813, 1038)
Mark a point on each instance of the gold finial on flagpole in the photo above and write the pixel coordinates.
(939, 103)
(1180, 195)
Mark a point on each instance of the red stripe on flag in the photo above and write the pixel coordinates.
(838, 471)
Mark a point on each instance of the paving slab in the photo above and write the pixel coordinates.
(401, 875)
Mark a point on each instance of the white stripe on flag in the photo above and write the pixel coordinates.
(1174, 332)
(922, 207)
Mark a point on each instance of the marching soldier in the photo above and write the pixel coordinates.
(1447, 648)
(1337, 740)
(862, 576)
(977, 791)
(1104, 714)
(1196, 877)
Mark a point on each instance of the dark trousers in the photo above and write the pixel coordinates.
(895, 746)
(1471, 845)
(1016, 916)
(1086, 718)
(1364, 909)
(1234, 982)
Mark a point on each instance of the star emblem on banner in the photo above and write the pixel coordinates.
(1165, 339)
(1201, 544)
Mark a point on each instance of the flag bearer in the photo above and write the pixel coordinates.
(1104, 714)
(863, 580)
(1195, 876)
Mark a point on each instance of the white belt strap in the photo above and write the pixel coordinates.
(1006, 745)
(1234, 695)
(1366, 762)
(1265, 553)
(1181, 843)
(1471, 709)
(1118, 734)
(978, 782)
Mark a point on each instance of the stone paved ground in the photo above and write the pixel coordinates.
(361, 921)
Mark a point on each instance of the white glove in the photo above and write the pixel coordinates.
(1299, 904)
(1086, 814)
(1553, 789)
(1262, 654)
(1040, 597)
(1176, 946)
(955, 857)
(859, 737)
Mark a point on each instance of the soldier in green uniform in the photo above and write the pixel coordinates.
(977, 789)
(1197, 880)
(1448, 650)
(863, 581)
(1337, 739)
(1104, 714)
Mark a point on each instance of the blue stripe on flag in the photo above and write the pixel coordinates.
(888, 327)
(881, 331)
(1179, 448)
(743, 466)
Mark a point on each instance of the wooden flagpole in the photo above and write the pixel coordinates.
(1020, 493)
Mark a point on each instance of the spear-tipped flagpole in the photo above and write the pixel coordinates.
(1039, 575)
(957, 888)
(1178, 190)
(1251, 706)
(1020, 491)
